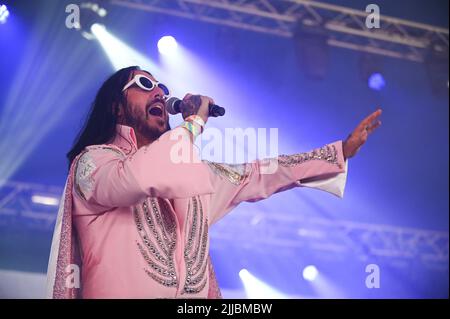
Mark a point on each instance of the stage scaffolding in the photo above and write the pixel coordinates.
(345, 27)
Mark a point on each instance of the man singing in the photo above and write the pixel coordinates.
(133, 223)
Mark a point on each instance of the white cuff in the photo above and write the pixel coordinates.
(334, 185)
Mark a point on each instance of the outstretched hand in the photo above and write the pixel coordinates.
(359, 136)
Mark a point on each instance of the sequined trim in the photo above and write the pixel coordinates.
(214, 290)
(112, 148)
(84, 182)
(326, 153)
(158, 245)
(234, 173)
(68, 250)
(195, 251)
(85, 167)
(157, 230)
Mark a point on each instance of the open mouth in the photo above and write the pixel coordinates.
(156, 110)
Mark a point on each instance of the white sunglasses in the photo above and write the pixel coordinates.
(147, 84)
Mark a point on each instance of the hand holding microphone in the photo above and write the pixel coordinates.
(194, 105)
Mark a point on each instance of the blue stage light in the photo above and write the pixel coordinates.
(376, 82)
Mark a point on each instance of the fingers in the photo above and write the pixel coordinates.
(210, 100)
(207, 99)
(369, 121)
(373, 127)
(364, 137)
(372, 117)
(365, 128)
(189, 96)
(196, 104)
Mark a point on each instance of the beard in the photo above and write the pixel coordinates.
(138, 121)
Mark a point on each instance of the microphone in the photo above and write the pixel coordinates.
(173, 107)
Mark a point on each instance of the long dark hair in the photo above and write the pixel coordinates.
(100, 125)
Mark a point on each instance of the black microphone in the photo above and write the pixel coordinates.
(173, 107)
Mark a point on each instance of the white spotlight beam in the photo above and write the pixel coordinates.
(325, 288)
(41, 91)
(257, 289)
(119, 53)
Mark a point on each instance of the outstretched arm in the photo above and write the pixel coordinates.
(324, 168)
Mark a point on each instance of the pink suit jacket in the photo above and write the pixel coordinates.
(136, 222)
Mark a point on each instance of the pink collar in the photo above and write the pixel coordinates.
(125, 139)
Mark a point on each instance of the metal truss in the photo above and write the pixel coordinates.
(279, 231)
(17, 208)
(344, 27)
(253, 230)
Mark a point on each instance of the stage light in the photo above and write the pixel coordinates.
(371, 71)
(45, 200)
(257, 289)
(90, 15)
(376, 81)
(4, 13)
(167, 45)
(243, 272)
(102, 12)
(310, 273)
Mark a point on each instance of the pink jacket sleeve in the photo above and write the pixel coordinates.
(106, 178)
(254, 181)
